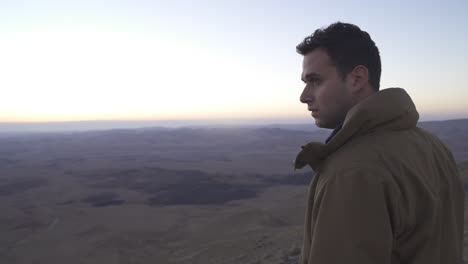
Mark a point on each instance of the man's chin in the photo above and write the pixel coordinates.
(320, 124)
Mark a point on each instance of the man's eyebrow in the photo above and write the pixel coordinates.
(310, 76)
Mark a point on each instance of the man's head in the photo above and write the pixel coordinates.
(341, 67)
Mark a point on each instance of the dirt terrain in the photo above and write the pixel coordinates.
(187, 195)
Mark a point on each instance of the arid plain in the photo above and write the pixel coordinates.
(163, 195)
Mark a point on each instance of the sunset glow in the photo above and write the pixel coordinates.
(65, 63)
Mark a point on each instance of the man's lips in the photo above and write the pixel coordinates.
(314, 112)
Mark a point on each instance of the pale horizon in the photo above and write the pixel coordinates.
(95, 125)
(211, 61)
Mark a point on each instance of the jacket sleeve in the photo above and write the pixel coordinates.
(352, 219)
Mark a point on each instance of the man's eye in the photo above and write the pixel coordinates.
(314, 81)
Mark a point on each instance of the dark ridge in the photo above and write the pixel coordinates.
(103, 199)
(178, 187)
(205, 193)
(21, 185)
(168, 187)
(108, 203)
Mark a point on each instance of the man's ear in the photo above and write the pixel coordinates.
(358, 78)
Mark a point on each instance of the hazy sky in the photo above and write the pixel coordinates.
(94, 60)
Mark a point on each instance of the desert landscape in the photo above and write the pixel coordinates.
(163, 195)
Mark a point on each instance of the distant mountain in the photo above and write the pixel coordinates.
(28, 127)
(448, 128)
(439, 127)
(246, 149)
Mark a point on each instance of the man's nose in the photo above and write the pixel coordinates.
(306, 96)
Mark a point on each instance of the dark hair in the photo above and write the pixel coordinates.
(347, 46)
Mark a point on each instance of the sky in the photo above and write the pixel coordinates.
(220, 60)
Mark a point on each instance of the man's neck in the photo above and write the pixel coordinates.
(335, 131)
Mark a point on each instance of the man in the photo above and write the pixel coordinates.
(384, 190)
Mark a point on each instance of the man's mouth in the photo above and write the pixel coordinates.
(313, 112)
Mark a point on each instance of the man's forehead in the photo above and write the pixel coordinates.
(317, 58)
(315, 62)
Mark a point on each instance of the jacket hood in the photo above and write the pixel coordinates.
(388, 109)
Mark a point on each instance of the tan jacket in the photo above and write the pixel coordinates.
(385, 191)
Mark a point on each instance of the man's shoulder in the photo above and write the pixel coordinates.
(390, 153)
(381, 149)
(364, 149)
(397, 144)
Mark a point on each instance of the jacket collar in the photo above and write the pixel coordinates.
(335, 131)
(389, 109)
